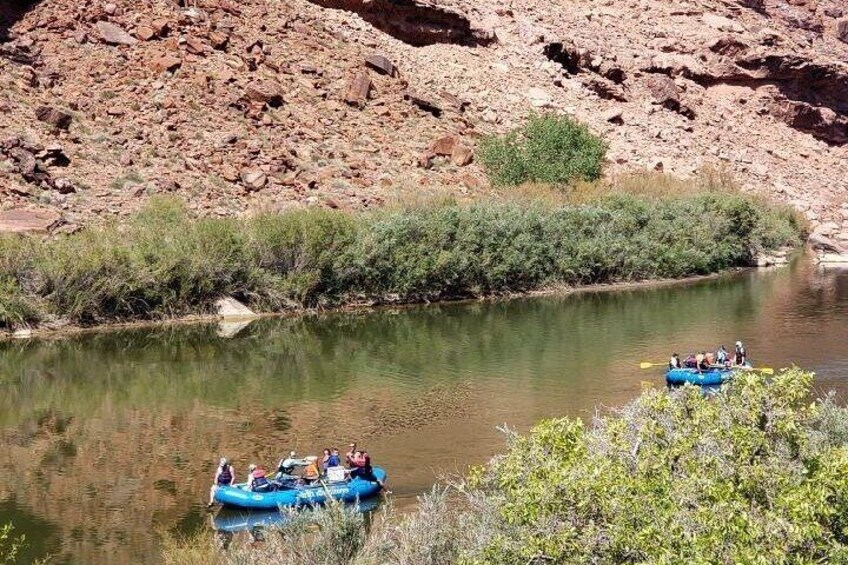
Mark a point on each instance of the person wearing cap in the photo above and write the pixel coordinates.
(224, 476)
(256, 479)
(741, 355)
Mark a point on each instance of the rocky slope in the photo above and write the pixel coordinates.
(264, 104)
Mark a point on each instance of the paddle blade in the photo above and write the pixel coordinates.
(646, 365)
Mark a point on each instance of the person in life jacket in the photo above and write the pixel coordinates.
(741, 356)
(224, 476)
(674, 362)
(701, 362)
(256, 479)
(311, 472)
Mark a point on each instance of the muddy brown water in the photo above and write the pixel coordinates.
(108, 439)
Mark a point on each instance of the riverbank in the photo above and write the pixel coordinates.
(163, 265)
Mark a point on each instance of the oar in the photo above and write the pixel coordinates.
(763, 370)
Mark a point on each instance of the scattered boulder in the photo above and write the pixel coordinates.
(462, 156)
(114, 35)
(614, 116)
(358, 89)
(165, 63)
(381, 64)
(145, 33)
(57, 118)
(265, 92)
(423, 102)
(230, 308)
(253, 179)
(444, 146)
(219, 40)
(842, 30)
(195, 46)
(20, 220)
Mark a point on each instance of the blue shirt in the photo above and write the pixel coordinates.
(333, 461)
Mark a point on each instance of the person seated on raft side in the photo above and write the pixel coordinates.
(335, 459)
(701, 363)
(311, 472)
(674, 362)
(361, 468)
(257, 480)
(740, 356)
(225, 476)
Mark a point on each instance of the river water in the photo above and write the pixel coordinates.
(107, 439)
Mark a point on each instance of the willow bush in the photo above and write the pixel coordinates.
(162, 263)
(755, 474)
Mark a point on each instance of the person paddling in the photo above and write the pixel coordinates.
(224, 476)
(285, 468)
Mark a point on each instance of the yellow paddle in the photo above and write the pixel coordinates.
(646, 365)
(763, 370)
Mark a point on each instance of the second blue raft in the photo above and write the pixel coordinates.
(237, 496)
(711, 377)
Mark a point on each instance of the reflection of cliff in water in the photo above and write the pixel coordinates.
(110, 436)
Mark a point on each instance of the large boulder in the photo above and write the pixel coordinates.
(114, 35)
(20, 220)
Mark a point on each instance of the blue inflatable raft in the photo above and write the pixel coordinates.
(712, 377)
(237, 496)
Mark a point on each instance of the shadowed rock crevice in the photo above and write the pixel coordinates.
(808, 96)
(10, 12)
(414, 22)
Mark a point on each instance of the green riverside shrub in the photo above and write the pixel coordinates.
(549, 149)
(754, 474)
(161, 263)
